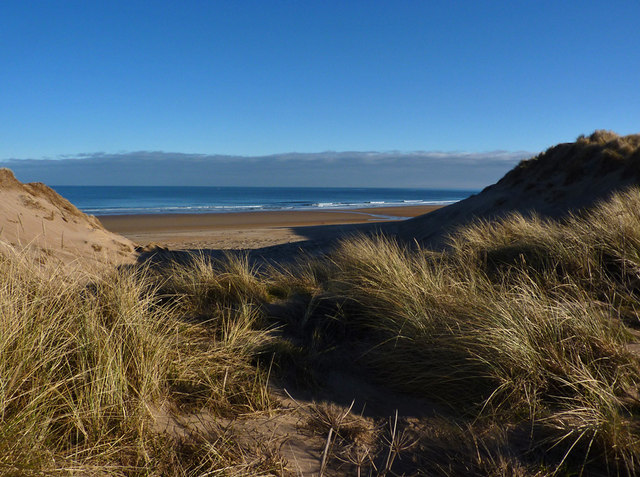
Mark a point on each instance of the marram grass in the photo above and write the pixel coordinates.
(522, 319)
(86, 361)
(522, 325)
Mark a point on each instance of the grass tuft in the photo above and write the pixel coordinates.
(85, 359)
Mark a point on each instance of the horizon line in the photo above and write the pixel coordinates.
(97, 154)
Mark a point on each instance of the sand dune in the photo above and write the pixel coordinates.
(564, 179)
(36, 217)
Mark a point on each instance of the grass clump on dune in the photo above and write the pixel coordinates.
(596, 252)
(439, 328)
(522, 320)
(589, 157)
(205, 285)
(89, 363)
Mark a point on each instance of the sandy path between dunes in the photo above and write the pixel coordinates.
(247, 230)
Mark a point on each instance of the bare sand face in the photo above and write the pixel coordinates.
(36, 219)
(248, 230)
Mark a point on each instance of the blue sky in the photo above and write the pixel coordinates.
(266, 77)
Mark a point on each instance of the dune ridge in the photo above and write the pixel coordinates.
(564, 179)
(36, 217)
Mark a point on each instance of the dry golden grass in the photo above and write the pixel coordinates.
(84, 361)
(522, 319)
(521, 327)
(588, 159)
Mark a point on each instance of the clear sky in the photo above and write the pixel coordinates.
(265, 77)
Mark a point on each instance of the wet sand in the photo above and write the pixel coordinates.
(247, 230)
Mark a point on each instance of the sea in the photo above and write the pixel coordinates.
(125, 200)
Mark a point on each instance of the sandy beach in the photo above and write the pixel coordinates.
(248, 230)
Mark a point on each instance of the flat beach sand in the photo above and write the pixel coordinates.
(250, 230)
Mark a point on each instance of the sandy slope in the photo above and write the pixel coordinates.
(35, 216)
(564, 179)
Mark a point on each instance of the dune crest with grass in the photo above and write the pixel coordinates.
(35, 217)
(563, 179)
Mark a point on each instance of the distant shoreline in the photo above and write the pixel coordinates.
(253, 229)
(374, 210)
(160, 200)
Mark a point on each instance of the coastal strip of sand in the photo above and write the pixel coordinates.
(248, 230)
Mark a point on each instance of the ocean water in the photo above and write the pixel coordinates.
(117, 200)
